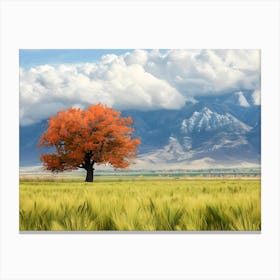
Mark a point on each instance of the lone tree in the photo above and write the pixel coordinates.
(82, 138)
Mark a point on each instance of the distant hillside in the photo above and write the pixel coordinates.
(213, 132)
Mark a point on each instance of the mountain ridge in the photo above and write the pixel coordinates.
(211, 132)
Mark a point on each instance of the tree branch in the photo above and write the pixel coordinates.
(101, 148)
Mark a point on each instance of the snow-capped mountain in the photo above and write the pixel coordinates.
(212, 132)
(239, 99)
(209, 133)
(207, 120)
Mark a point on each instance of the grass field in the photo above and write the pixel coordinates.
(148, 205)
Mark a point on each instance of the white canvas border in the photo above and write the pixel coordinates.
(162, 24)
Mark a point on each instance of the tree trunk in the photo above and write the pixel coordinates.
(88, 165)
(90, 171)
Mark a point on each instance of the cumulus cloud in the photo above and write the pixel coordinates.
(207, 72)
(143, 80)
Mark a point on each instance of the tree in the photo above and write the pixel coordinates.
(82, 138)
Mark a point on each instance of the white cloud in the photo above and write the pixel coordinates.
(140, 79)
(136, 57)
(204, 72)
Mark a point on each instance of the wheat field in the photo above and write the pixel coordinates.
(148, 205)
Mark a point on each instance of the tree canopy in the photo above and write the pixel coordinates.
(82, 138)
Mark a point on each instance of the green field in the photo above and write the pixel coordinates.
(141, 205)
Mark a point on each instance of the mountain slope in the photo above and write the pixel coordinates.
(213, 132)
(207, 120)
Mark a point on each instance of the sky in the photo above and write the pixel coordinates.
(52, 80)
(32, 58)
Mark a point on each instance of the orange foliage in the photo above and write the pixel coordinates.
(99, 132)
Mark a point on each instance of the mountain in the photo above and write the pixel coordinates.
(211, 132)
(28, 140)
(239, 99)
(207, 120)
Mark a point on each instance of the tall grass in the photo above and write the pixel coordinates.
(140, 205)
